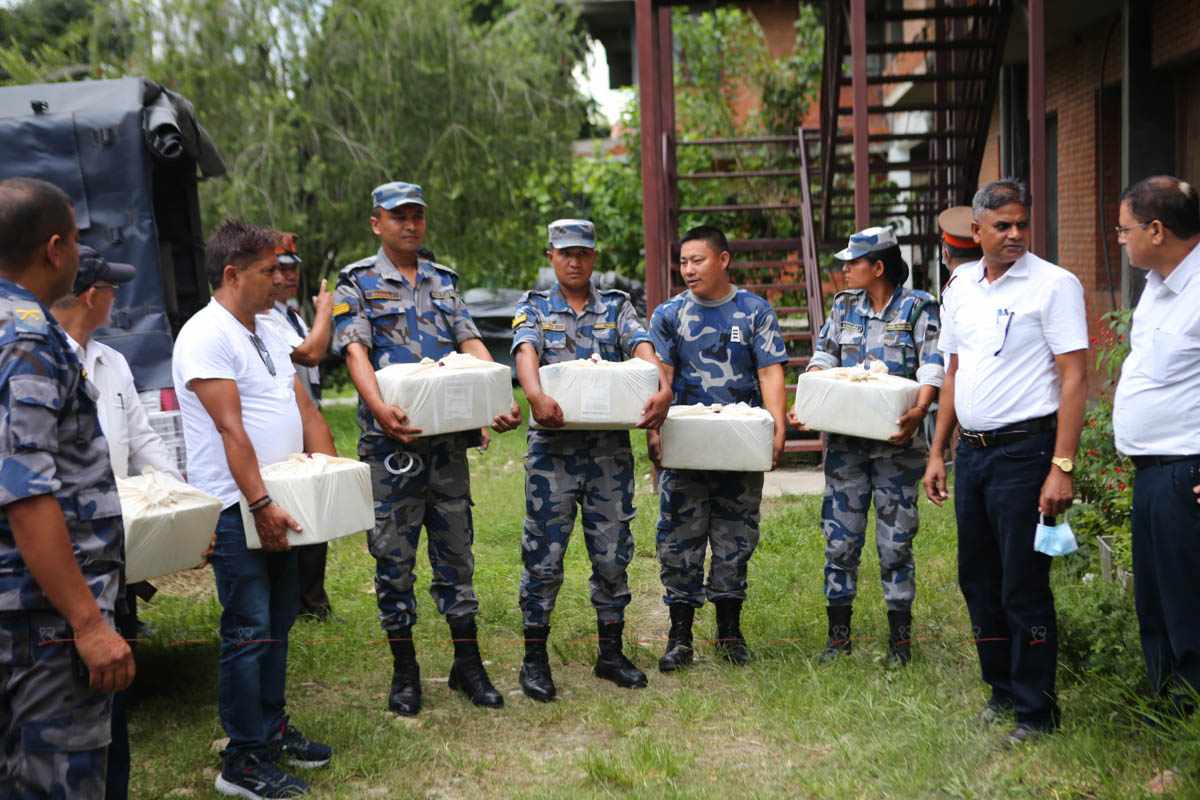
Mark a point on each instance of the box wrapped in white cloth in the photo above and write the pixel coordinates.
(168, 524)
(730, 438)
(455, 393)
(595, 394)
(854, 401)
(330, 497)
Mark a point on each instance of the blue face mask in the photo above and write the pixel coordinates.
(1054, 539)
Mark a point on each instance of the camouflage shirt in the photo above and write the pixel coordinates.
(717, 348)
(397, 322)
(904, 336)
(51, 443)
(607, 325)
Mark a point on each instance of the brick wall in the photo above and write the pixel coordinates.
(1176, 31)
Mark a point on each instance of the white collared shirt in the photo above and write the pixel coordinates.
(132, 443)
(1156, 410)
(213, 344)
(1006, 334)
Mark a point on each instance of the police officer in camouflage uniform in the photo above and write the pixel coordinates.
(591, 469)
(876, 319)
(718, 344)
(61, 535)
(394, 308)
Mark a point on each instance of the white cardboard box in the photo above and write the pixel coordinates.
(456, 393)
(595, 394)
(168, 525)
(854, 401)
(330, 497)
(729, 438)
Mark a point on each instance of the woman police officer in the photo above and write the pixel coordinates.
(876, 319)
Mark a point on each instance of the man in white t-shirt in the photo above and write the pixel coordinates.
(1015, 331)
(307, 347)
(243, 406)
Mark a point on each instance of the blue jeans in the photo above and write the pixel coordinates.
(260, 596)
(1005, 582)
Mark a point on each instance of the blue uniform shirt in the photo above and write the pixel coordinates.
(607, 325)
(398, 322)
(717, 348)
(51, 443)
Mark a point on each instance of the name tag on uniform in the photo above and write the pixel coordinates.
(604, 326)
(442, 294)
(850, 327)
(554, 326)
(900, 325)
(381, 294)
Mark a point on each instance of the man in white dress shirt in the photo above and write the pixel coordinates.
(1015, 331)
(308, 347)
(1156, 422)
(132, 443)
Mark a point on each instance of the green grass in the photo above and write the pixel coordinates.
(782, 727)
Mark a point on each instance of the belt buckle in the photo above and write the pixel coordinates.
(978, 438)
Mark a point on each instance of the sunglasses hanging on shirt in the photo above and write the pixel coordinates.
(263, 354)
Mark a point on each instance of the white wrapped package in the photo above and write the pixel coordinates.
(854, 401)
(595, 394)
(168, 525)
(458, 392)
(330, 497)
(730, 438)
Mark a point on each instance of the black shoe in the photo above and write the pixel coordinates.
(256, 777)
(611, 664)
(730, 644)
(404, 698)
(296, 749)
(536, 681)
(899, 638)
(838, 641)
(1024, 733)
(679, 652)
(467, 674)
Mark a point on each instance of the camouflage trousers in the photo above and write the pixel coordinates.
(56, 729)
(701, 510)
(434, 492)
(857, 472)
(592, 470)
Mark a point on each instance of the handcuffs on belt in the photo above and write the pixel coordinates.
(413, 466)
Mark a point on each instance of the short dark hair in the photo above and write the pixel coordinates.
(1167, 199)
(707, 233)
(237, 243)
(962, 252)
(895, 268)
(998, 194)
(31, 211)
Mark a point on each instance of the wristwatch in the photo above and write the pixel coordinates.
(1065, 464)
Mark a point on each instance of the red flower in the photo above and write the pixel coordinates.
(1117, 470)
(1122, 486)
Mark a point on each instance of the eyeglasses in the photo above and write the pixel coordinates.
(263, 354)
(1122, 230)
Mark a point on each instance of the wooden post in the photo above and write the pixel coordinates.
(862, 164)
(654, 188)
(1037, 126)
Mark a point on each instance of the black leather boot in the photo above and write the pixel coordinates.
(612, 665)
(838, 642)
(730, 644)
(535, 677)
(899, 637)
(679, 652)
(404, 698)
(467, 674)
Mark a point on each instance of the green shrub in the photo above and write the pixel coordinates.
(1098, 632)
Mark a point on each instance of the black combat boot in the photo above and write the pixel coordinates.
(535, 677)
(467, 674)
(730, 644)
(839, 633)
(899, 637)
(679, 640)
(612, 665)
(404, 698)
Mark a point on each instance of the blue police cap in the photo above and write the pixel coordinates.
(566, 233)
(397, 193)
(868, 240)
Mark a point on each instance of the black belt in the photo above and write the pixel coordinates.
(1144, 462)
(1010, 433)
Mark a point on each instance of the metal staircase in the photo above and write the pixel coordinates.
(930, 80)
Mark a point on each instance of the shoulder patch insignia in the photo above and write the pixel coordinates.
(30, 322)
(519, 320)
(341, 308)
(554, 326)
